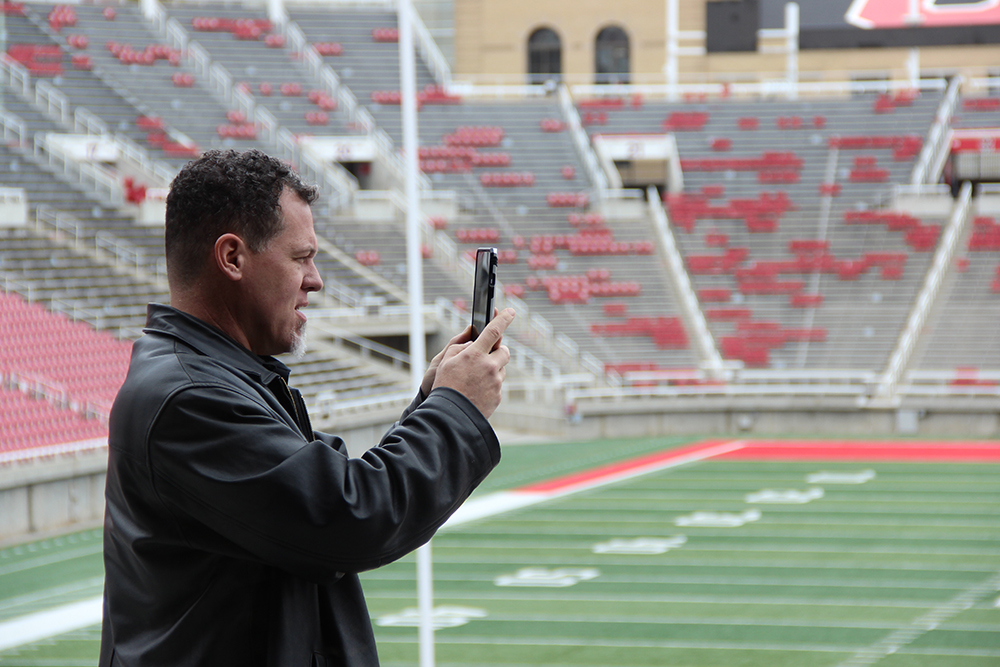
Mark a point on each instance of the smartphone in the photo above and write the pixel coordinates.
(483, 290)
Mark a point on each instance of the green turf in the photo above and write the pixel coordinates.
(810, 585)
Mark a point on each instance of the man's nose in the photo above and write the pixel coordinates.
(313, 282)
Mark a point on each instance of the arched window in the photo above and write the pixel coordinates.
(544, 56)
(611, 60)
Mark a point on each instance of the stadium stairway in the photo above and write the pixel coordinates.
(845, 323)
(365, 65)
(264, 67)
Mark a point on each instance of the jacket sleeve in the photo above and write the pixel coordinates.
(240, 479)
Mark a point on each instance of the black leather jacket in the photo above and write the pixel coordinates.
(233, 533)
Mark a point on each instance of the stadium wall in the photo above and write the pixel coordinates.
(491, 38)
(648, 418)
(53, 493)
(45, 495)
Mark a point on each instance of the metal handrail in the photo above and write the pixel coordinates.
(928, 293)
(582, 143)
(936, 145)
(89, 176)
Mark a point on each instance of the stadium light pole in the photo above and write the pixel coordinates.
(672, 37)
(792, 49)
(415, 278)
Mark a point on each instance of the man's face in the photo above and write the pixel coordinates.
(278, 281)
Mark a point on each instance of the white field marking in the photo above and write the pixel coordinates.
(785, 496)
(44, 624)
(504, 501)
(540, 577)
(826, 477)
(628, 643)
(728, 600)
(56, 591)
(728, 566)
(930, 621)
(718, 519)
(477, 508)
(707, 646)
(445, 616)
(722, 621)
(647, 546)
(50, 559)
(708, 581)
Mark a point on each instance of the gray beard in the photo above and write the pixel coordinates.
(299, 343)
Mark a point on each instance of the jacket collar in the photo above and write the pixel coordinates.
(211, 342)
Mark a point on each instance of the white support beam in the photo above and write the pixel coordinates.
(925, 299)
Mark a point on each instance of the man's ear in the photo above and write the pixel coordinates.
(230, 256)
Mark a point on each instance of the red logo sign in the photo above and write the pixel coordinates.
(871, 14)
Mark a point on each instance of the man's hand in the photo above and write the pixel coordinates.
(476, 369)
(428, 382)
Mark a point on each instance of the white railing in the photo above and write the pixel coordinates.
(85, 122)
(789, 391)
(267, 124)
(708, 353)
(937, 145)
(15, 131)
(758, 89)
(327, 408)
(123, 252)
(928, 293)
(64, 225)
(154, 12)
(155, 170)
(950, 383)
(484, 91)
(11, 283)
(200, 60)
(15, 76)
(89, 176)
(429, 51)
(347, 102)
(330, 178)
(52, 102)
(582, 143)
(108, 247)
(56, 106)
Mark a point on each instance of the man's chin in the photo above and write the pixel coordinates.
(299, 345)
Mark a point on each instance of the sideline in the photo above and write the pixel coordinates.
(51, 622)
(78, 615)
(82, 614)
(532, 494)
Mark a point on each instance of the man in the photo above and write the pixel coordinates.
(233, 532)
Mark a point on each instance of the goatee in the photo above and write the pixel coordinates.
(299, 342)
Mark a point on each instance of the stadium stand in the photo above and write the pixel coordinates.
(87, 365)
(970, 295)
(29, 422)
(786, 225)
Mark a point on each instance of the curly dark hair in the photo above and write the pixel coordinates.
(225, 192)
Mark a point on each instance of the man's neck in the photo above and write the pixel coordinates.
(207, 307)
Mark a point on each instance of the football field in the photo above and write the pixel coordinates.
(735, 553)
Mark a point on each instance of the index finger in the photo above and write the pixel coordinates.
(493, 332)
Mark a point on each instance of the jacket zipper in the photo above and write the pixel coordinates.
(295, 406)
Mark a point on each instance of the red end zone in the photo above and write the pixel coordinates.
(926, 451)
(867, 450)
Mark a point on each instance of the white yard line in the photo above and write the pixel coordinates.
(49, 623)
(900, 639)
